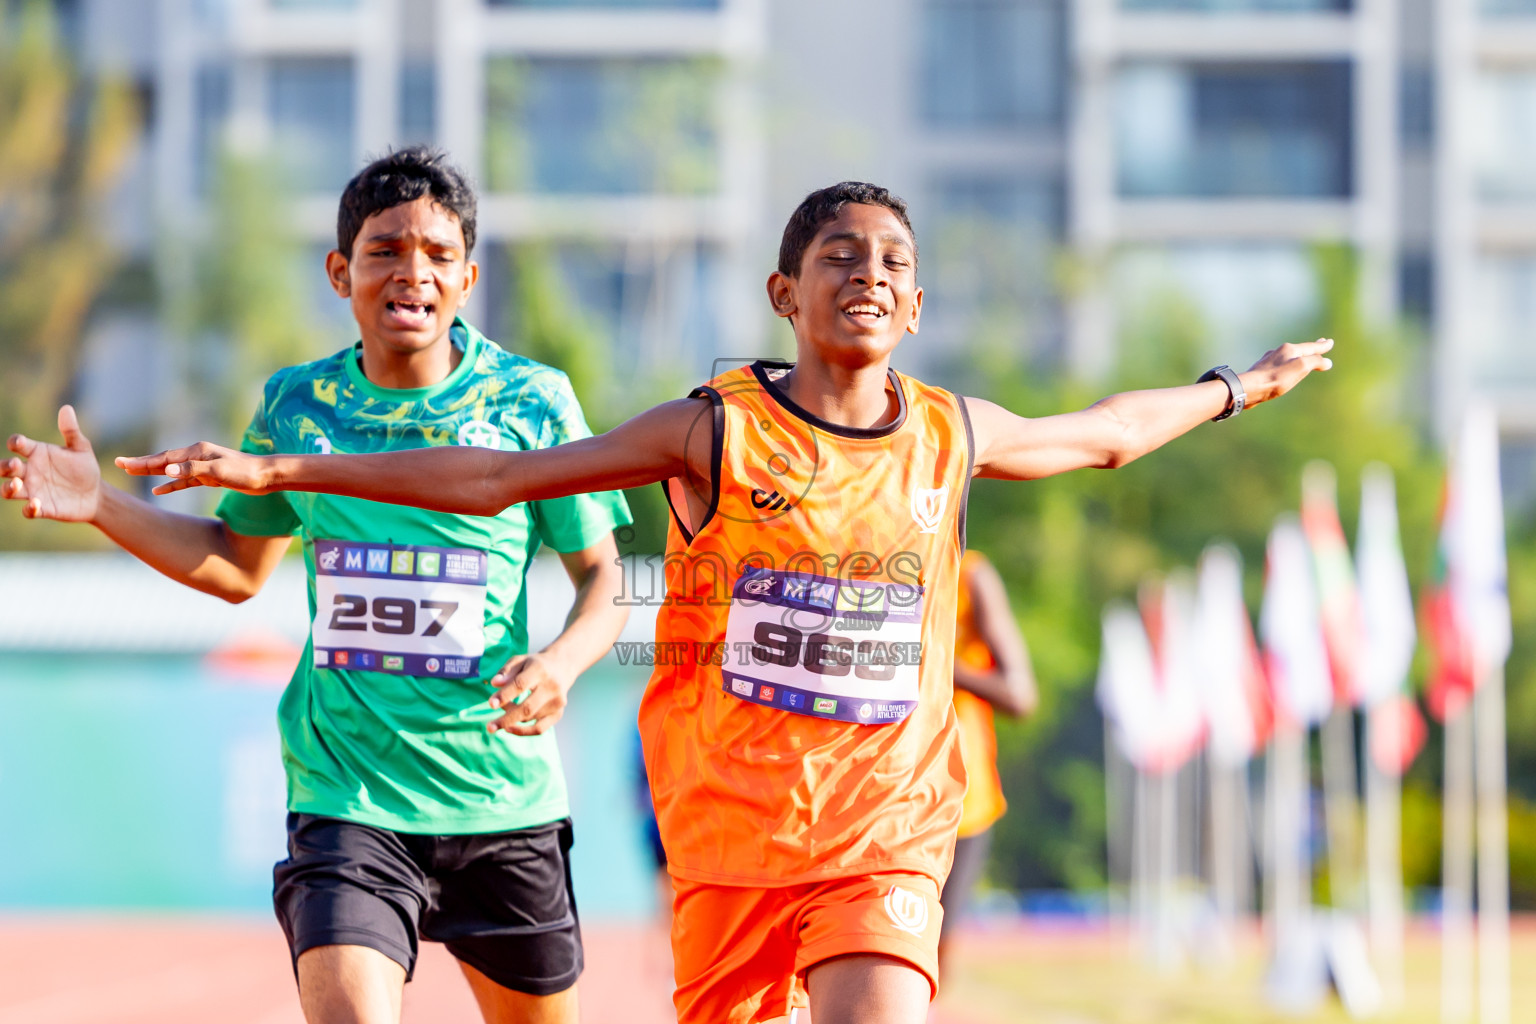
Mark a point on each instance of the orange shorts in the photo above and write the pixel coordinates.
(741, 953)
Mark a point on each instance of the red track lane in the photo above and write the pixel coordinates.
(59, 969)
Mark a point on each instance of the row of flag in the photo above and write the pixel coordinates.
(1183, 670)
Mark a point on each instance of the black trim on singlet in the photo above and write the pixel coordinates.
(716, 457)
(760, 371)
(970, 465)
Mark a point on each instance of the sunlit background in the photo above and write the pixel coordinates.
(1106, 193)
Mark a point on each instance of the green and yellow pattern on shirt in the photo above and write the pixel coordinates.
(399, 751)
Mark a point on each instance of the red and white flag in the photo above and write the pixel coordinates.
(1337, 593)
(1149, 697)
(1294, 654)
(1234, 689)
(1466, 606)
(1386, 603)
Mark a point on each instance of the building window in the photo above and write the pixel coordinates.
(1226, 298)
(311, 104)
(702, 4)
(1238, 6)
(993, 63)
(1508, 8)
(988, 245)
(602, 126)
(1416, 286)
(1498, 346)
(210, 112)
(418, 103)
(640, 312)
(1504, 133)
(1219, 130)
(1416, 113)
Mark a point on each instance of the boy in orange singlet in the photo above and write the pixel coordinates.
(799, 730)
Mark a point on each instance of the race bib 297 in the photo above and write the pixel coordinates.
(410, 610)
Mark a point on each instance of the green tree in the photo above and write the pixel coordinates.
(65, 138)
(240, 292)
(1070, 544)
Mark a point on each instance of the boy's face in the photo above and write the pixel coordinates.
(857, 292)
(407, 275)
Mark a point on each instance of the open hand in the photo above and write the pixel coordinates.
(62, 483)
(203, 465)
(533, 689)
(1281, 369)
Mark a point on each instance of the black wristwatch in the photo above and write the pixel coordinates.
(1227, 376)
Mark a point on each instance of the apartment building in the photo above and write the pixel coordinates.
(1068, 161)
(1484, 158)
(619, 140)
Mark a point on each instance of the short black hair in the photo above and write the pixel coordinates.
(822, 206)
(400, 177)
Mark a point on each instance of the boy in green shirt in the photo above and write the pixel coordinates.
(407, 817)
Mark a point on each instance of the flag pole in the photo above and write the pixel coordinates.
(1116, 833)
(1291, 896)
(1384, 875)
(1141, 860)
(1165, 953)
(1224, 819)
(1456, 961)
(1340, 807)
(1492, 851)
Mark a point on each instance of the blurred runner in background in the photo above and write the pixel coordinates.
(992, 673)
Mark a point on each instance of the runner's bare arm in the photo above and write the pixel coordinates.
(470, 481)
(1121, 428)
(1010, 686)
(63, 482)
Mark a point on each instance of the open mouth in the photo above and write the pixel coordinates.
(410, 312)
(864, 312)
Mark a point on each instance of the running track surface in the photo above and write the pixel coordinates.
(180, 970)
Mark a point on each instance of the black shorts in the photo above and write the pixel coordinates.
(501, 902)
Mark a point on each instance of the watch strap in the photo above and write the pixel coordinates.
(1237, 396)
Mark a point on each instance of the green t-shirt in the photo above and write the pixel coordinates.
(412, 611)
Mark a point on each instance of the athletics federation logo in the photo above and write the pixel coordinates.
(907, 910)
(760, 587)
(328, 559)
(479, 434)
(928, 508)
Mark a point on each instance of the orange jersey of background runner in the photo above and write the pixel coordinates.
(753, 794)
(984, 802)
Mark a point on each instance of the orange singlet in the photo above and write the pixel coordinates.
(804, 732)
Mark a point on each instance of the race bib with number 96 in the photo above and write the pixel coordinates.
(406, 609)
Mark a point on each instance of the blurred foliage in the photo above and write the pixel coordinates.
(65, 140)
(638, 126)
(240, 293)
(1070, 544)
(544, 321)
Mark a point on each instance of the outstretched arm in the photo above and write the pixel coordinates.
(470, 481)
(63, 482)
(1121, 428)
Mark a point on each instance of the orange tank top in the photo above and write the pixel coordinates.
(984, 802)
(799, 724)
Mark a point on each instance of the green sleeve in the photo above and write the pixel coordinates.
(258, 515)
(578, 521)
